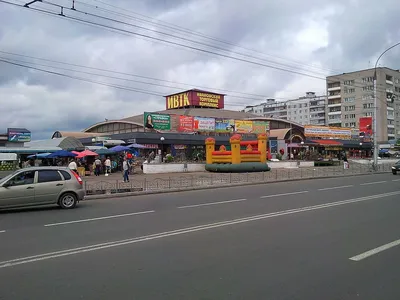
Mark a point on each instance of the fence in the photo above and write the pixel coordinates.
(226, 179)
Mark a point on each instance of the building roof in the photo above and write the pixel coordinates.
(65, 143)
(75, 134)
(279, 134)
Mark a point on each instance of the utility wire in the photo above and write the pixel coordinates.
(259, 97)
(177, 28)
(125, 31)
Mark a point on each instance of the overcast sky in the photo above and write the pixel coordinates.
(312, 37)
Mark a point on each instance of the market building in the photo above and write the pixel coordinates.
(191, 116)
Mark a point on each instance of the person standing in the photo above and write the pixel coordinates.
(125, 167)
(107, 163)
(97, 167)
(72, 166)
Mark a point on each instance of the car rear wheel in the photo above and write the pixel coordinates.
(68, 201)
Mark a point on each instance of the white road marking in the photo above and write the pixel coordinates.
(336, 187)
(2, 231)
(100, 218)
(285, 194)
(376, 182)
(396, 180)
(375, 251)
(96, 247)
(211, 203)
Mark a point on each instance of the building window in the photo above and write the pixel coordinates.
(349, 99)
(368, 105)
(367, 97)
(348, 82)
(368, 88)
(352, 124)
(349, 90)
(350, 108)
(368, 79)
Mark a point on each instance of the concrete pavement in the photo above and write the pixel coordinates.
(278, 241)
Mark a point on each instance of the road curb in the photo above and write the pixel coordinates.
(131, 194)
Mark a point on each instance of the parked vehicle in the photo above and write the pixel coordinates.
(396, 168)
(41, 186)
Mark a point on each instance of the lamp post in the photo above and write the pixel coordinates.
(162, 147)
(376, 108)
(360, 149)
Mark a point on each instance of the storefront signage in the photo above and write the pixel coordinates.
(18, 135)
(243, 126)
(326, 132)
(224, 125)
(260, 127)
(185, 123)
(195, 98)
(204, 124)
(157, 121)
(204, 99)
(366, 127)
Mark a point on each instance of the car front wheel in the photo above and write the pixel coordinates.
(68, 201)
(394, 172)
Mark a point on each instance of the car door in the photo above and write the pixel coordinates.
(19, 190)
(48, 187)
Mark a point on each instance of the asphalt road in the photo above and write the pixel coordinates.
(295, 240)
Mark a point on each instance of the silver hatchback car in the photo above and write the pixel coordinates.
(41, 186)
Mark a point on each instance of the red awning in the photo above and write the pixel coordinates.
(327, 142)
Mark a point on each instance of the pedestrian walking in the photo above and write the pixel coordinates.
(125, 168)
(107, 164)
(97, 167)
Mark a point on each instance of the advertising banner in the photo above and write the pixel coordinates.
(366, 127)
(243, 126)
(18, 135)
(260, 127)
(195, 98)
(204, 124)
(157, 121)
(326, 132)
(224, 125)
(205, 99)
(185, 123)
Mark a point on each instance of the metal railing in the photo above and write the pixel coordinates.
(192, 181)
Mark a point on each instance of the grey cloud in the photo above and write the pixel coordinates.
(45, 103)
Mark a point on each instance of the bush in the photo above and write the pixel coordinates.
(279, 156)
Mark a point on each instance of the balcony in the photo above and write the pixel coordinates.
(390, 126)
(390, 117)
(332, 113)
(389, 82)
(337, 96)
(390, 108)
(335, 88)
(335, 104)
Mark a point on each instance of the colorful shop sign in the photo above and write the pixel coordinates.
(157, 121)
(327, 132)
(243, 126)
(204, 124)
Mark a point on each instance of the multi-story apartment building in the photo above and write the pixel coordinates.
(351, 96)
(310, 109)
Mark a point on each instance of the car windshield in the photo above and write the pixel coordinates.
(4, 179)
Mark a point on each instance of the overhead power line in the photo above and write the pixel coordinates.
(230, 93)
(125, 31)
(176, 28)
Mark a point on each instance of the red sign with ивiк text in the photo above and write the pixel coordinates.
(195, 98)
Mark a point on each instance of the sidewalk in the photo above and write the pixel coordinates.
(106, 186)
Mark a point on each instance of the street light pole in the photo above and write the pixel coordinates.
(376, 150)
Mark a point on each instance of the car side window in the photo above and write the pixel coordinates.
(48, 176)
(65, 174)
(23, 178)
